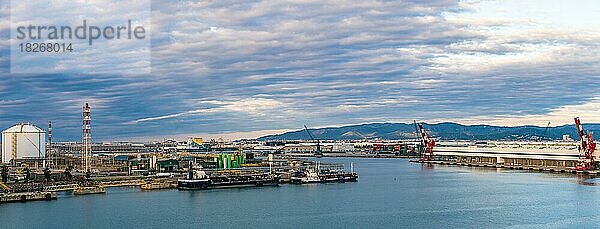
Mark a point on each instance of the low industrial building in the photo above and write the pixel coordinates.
(548, 155)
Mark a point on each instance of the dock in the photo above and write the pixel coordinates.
(27, 196)
(552, 169)
(548, 160)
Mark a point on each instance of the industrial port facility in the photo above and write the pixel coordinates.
(566, 156)
(35, 168)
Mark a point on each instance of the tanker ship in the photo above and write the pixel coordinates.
(199, 180)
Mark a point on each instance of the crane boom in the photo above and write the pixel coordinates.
(546, 131)
(319, 153)
(309, 134)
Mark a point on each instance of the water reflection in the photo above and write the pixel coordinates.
(426, 166)
(580, 178)
(588, 180)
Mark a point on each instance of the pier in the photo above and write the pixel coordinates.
(27, 196)
(560, 161)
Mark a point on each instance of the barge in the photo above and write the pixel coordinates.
(26, 196)
(199, 180)
(312, 177)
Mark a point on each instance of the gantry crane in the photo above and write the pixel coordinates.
(427, 142)
(319, 153)
(587, 148)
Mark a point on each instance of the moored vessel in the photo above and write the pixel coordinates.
(199, 180)
(306, 178)
(318, 175)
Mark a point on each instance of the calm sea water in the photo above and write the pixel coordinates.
(391, 193)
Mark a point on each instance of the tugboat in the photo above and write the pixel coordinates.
(310, 176)
(199, 180)
(306, 178)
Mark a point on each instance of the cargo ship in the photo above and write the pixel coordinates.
(199, 180)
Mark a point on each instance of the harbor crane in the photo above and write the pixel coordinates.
(545, 132)
(427, 142)
(587, 148)
(319, 153)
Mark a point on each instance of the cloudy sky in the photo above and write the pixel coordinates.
(252, 67)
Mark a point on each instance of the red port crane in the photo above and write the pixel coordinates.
(587, 148)
(428, 144)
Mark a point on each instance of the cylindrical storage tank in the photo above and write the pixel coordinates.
(228, 161)
(23, 141)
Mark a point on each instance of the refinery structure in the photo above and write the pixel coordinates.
(32, 146)
(27, 144)
(34, 167)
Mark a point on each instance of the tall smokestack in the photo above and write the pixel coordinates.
(86, 148)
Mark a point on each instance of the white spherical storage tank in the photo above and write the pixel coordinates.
(23, 141)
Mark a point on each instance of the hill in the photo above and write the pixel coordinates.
(444, 131)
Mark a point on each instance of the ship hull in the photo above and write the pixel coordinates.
(304, 181)
(328, 178)
(193, 184)
(208, 184)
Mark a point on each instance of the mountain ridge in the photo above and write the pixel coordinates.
(443, 131)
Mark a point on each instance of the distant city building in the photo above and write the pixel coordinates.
(305, 148)
(106, 148)
(567, 138)
(343, 147)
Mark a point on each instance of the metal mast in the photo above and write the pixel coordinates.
(50, 135)
(86, 148)
(49, 153)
